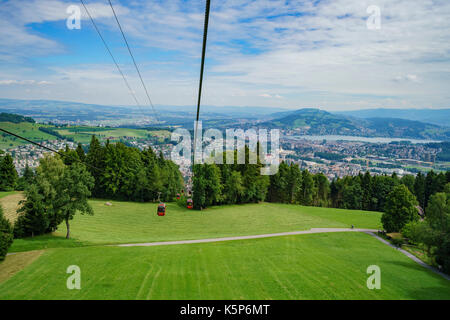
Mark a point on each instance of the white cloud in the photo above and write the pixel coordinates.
(288, 53)
(24, 82)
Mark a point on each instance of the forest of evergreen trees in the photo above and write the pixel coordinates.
(126, 173)
(233, 183)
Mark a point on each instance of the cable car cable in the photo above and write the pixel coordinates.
(47, 148)
(112, 56)
(134, 61)
(205, 36)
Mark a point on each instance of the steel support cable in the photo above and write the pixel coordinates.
(47, 148)
(202, 66)
(134, 61)
(112, 56)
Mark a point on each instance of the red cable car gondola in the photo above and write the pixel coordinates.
(178, 196)
(161, 209)
(190, 204)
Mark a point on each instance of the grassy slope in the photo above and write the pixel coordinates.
(84, 134)
(319, 266)
(126, 222)
(25, 129)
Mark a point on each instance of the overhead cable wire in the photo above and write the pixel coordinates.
(134, 61)
(205, 36)
(112, 56)
(47, 148)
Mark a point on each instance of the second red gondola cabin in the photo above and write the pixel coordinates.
(161, 209)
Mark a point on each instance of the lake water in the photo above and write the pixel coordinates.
(361, 139)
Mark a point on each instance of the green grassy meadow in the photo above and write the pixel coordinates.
(309, 266)
(129, 222)
(318, 266)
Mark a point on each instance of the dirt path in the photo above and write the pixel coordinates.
(267, 235)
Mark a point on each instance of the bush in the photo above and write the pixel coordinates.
(6, 235)
(181, 202)
(413, 231)
(397, 241)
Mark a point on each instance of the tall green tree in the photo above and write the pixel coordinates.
(199, 187)
(6, 235)
(57, 194)
(438, 218)
(322, 190)
(308, 189)
(80, 152)
(74, 190)
(34, 218)
(400, 209)
(366, 185)
(294, 183)
(95, 160)
(419, 189)
(8, 173)
(408, 180)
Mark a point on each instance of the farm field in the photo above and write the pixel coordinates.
(26, 129)
(83, 134)
(130, 222)
(318, 266)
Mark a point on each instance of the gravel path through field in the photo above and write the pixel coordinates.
(258, 236)
(371, 232)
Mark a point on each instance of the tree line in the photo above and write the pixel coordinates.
(215, 184)
(398, 198)
(127, 173)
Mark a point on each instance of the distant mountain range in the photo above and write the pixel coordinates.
(320, 122)
(63, 110)
(435, 116)
(394, 123)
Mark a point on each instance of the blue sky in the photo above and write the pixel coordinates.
(268, 53)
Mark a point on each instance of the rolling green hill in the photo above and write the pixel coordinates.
(309, 266)
(28, 130)
(436, 116)
(320, 122)
(137, 222)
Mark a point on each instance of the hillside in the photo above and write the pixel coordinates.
(286, 267)
(14, 118)
(26, 129)
(320, 122)
(435, 116)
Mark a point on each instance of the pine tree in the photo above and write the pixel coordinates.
(80, 152)
(419, 189)
(8, 174)
(308, 189)
(96, 161)
(6, 235)
(33, 216)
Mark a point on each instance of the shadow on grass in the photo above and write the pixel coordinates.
(442, 291)
(46, 241)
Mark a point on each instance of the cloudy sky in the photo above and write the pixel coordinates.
(274, 53)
